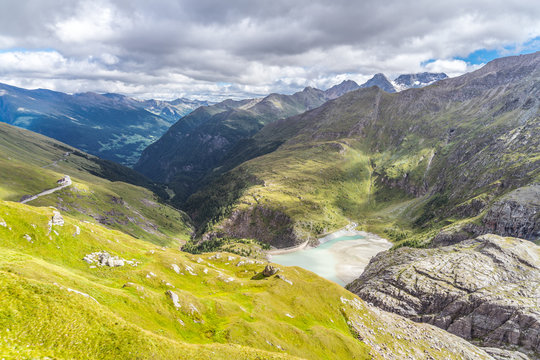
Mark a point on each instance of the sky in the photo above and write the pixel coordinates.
(215, 49)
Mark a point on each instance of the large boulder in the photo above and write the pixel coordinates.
(486, 289)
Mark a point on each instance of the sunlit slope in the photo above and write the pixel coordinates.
(55, 304)
(403, 163)
(31, 163)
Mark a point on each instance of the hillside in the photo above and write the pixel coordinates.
(161, 303)
(199, 142)
(404, 164)
(101, 191)
(110, 126)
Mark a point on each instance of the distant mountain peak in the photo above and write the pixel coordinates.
(407, 81)
(344, 87)
(381, 81)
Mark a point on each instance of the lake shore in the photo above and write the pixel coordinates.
(353, 256)
(341, 256)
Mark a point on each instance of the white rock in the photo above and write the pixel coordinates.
(175, 299)
(57, 219)
(27, 237)
(77, 230)
(176, 268)
(150, 275)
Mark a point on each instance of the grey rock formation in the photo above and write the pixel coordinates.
(501, 354)
(485, 289)
(270, 270)
(103, 258)
(516, 214)
(57, 219)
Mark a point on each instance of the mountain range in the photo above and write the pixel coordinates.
(407, 164)
(91, 264)
(111, 126)
(204, 142)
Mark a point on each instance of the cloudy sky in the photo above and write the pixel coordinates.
(214, 49)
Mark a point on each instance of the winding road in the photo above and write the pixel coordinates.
(67, 182)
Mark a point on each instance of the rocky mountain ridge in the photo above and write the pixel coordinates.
(486, 289)
(448, 151)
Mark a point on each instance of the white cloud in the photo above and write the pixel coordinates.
(452, 67)
(243, 48)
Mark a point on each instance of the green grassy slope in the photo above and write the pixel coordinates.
(200, 142)
(31, 163)
(53, 304)
(403, 164)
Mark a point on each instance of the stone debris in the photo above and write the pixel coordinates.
(231, 258)
(57, 219)
(199, 260)
(28, 238)
(174, 298)
(289, 315)
(279, 276)
(193, 309)
(270, 270)
(150, 275)
(77, 231)
(176, 268)
(249, 262)
(190, 270)
(215, 257)
(133, 285)
(103, 258)
(3, 222)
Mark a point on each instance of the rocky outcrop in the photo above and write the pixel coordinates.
(103, 258)
(270, 270)
(516, 214)
(258, 222)
(485, 289)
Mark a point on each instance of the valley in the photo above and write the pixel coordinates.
(389, 220)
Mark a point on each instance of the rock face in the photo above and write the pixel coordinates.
(256, 222)
(486, 289)
(516, 214)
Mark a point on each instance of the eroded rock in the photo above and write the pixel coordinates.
(485, 288)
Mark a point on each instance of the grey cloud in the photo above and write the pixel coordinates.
(246, 42)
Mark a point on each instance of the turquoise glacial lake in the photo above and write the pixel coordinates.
(340, 260)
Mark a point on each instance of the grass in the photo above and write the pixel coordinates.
(31, 163)
(223, 313)
(424, 162)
